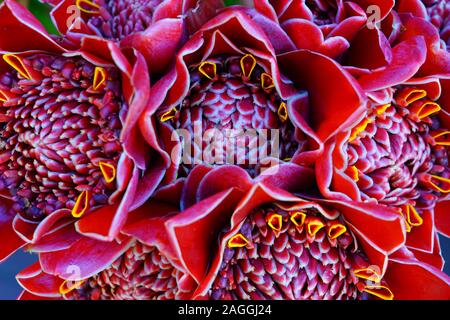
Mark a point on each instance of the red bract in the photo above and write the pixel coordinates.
(227, 77)
(435, 11)
(68, 135)
(243, 238)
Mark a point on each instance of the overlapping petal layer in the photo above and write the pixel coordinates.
(246, 239)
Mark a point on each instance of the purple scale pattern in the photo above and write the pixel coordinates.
(121, 18)
(289, 264)
(54, 131)
(394, 154)
(231, 101)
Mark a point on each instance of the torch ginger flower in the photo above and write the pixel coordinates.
(68, 134)
(253, 240)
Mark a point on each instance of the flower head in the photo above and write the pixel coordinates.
(227, 90)
(252, 240)
(236, 94)
(267, 243)
(68, 134)
(327, 27)
(397, 154)
(112, 19)
(60, 134)
(290, 254)
(137, 265)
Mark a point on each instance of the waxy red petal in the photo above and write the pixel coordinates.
(409, 279)
(417, 8)
(88, 255)
(194, 231)
(381, 225)
(139, 82)
(67, 18)
(189, 191)
(25, 295)
(334, 107)
(147, 224)
(148, 183)
(60, 239)
(30, 34)
(370, 50)
(422, 237)
(289, 177)
(106, 222)
(280, 39)
(400, 69)
(437, 61)
(158, 43)
(433, 258)
(37, 282)
(171, 9)
(311, 38)
(221, 179)
(57, 220)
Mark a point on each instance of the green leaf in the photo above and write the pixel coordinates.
(231, 2)
(42, 12)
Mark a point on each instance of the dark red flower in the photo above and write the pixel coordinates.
(68, 136)
(395, 156)
(264, 249)
(243, 238)
(227, 77)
